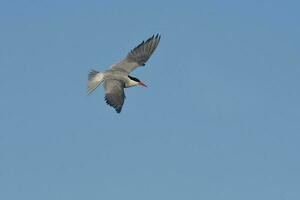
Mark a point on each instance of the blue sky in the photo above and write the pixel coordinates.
(219, 120)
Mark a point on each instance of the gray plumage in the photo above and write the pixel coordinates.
(139, 55)
(117, 78)
(114, 93)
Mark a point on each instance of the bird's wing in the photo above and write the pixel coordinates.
(139, 55)
(114, 94)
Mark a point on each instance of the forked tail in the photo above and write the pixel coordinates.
(95, 79)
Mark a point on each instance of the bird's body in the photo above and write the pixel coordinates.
(117, 78)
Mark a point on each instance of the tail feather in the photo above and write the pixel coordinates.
(95, 78)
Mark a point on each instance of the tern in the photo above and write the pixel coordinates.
(117, 77)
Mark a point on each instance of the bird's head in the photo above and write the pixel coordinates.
(136, 81)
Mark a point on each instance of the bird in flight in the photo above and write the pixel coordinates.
(117, 77)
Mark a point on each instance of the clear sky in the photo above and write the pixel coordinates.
(219, 120)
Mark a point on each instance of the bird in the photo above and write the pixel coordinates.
(117, 77)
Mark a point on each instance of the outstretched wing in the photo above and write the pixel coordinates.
(114, 94)
(139, 55)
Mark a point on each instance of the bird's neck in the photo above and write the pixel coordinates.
(131, 83)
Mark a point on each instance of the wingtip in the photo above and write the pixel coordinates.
(118, 111)
(155, 36)
(117, 108)
(149, 39)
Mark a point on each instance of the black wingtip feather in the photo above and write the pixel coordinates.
(149, 39)
(157, 36)
(117, 108)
